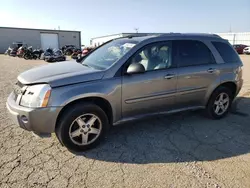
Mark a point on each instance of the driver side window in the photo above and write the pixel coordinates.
(154, 56)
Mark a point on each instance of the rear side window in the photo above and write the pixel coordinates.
(193, 53)
(226, 52)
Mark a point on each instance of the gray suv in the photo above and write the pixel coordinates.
(126, 79)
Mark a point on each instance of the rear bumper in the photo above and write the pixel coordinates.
(38, 120)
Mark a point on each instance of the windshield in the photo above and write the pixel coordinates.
(108, 54)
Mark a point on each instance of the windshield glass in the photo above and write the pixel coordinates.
(106, 55)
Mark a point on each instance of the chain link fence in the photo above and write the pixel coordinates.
(236, 38)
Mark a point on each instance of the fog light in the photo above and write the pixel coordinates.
(24, 119)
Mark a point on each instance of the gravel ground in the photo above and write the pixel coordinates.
(181, 150)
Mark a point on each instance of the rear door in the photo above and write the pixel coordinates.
(197, 70)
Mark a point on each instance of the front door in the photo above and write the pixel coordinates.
(154, 90)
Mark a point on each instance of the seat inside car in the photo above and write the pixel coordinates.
(153, 58)
(144, 59)
(164, 58)
(150, 58)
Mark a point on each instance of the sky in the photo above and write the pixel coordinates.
(103, 17)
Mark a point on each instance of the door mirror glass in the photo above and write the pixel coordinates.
(135, 68)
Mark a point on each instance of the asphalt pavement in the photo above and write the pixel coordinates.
(180, 150)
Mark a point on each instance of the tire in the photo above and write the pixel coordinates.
(67, 124)
(26, 56)
(69, 52)
(211, 106)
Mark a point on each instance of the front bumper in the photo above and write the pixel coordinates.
(38, 120)
(239, 86)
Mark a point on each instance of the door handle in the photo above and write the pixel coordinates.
(169, 76)
(210, 70)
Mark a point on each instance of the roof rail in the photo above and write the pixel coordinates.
(171, 33)
(139, 35)
(217, 35)
(187, 34)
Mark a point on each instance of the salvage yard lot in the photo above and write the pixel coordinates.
(181, 150)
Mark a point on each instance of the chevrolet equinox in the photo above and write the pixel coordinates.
(126, 79)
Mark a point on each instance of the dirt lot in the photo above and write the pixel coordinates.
(182, 150)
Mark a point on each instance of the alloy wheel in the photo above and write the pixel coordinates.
(85, 129)
(221, 103)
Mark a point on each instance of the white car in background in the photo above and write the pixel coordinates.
(246, 50)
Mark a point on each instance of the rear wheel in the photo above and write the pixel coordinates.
(69, 52)
(219, 103)
(82, 127)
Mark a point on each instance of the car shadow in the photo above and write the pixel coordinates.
(182, 137)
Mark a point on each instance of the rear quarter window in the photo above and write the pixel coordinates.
(227, 53)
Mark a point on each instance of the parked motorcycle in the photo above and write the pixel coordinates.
(38, 52)
(7, 52)
(12, 50)
(85, 51)
(76, 53)
(48, 52)
(56, 56)
(21, 51)
(68, 49)
(30, 54)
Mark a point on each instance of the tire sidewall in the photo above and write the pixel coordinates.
(69, 116)
(210, 109)
(26, 57)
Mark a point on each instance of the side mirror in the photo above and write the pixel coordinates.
(135, 68)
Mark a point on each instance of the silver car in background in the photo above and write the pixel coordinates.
(246, 50)
(126, 79)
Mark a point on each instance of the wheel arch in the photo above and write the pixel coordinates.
(99, 101)
(228, 84)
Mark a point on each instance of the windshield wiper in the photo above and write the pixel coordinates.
(86, 65)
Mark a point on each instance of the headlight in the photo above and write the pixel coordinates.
(36, 96)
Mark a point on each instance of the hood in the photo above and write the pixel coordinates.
(60, 73)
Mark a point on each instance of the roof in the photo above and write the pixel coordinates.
(139, 34)
(208, 35)
(49, 30)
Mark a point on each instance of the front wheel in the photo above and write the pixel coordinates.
(26, 56)
(82, 127)
(219, 103)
